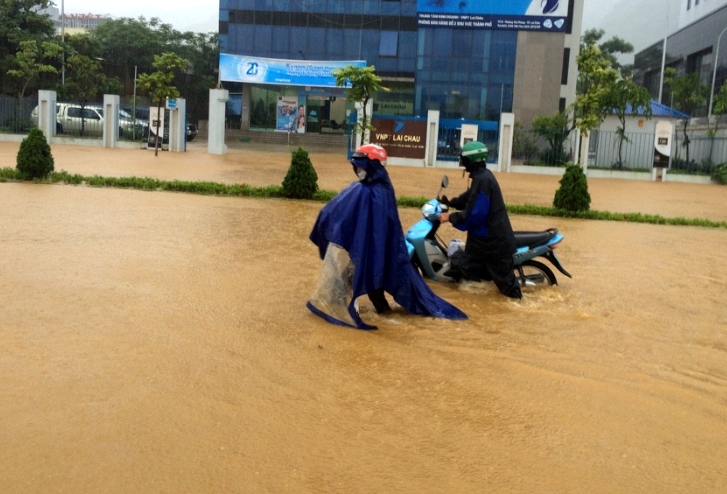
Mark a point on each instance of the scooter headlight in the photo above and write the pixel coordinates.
(430, 210)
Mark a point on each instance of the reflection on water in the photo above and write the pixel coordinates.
(158, 342)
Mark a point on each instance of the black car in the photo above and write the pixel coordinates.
(191, 131)
(143, 113)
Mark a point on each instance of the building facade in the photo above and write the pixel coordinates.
(74, 23)
(694, 47)
(465, 59)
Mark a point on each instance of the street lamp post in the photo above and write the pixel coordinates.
(714, 72)
(63, 42)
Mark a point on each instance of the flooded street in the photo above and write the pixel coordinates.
(159, 342)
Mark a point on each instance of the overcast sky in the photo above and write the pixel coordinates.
(184, 15)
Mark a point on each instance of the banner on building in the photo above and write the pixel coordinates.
(287, 113)
(511, 15)
(400, 138)
(240, 68)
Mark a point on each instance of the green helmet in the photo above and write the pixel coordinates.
(475, 151)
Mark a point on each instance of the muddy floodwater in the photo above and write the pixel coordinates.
(157, 342)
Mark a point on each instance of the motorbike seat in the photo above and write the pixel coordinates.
(525, 239)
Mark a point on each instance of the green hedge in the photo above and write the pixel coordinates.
(275, 191)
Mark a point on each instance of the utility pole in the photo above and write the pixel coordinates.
(663, 51)
(714, 71)
(63, 43)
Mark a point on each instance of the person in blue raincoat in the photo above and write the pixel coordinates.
(361, 241)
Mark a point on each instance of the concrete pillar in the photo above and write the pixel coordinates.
(246, 109)
(111, 104)
(47, 114)
(216, 129)
(507, 133)
(430, 152)
(178, 126)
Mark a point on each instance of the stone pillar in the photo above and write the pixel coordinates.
(507, 133)
(178, 126)
(216, 129)
(111, 104)
(47, 113)
(430, 152)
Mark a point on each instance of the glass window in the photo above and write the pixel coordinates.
(335, 6)
(352, 7)
(462, 43)
(262, 40)
(281, 5)
(316, 46)
(390, 7)
(566, 66)
(371, 7)
(335, 43)
(442, 42)
(296, 40)
(281, 39)
(408, 45)
(368, 49)
(388, 44)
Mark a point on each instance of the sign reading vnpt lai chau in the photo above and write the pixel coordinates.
(401, 138)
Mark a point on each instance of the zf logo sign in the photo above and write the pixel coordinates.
(252, 70)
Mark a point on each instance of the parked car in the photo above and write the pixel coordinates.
(144, 112)
(76, 119)
(191, 131)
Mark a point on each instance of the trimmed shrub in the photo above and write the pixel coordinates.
(719, 174)
(34, 160)
(573, 192)
(301, 181)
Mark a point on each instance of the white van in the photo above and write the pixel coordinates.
(73, 119)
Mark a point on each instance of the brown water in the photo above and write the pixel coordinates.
(159, 342)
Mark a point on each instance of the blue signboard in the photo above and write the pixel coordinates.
(513, 15)
(240, 68)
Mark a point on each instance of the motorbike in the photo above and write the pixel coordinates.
(431, 256)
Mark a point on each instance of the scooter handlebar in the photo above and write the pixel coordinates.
(433, 208)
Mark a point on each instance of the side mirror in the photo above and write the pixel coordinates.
(445, 181)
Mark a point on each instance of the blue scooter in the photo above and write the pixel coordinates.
(429, 254)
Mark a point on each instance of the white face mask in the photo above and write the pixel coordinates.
(361, 175)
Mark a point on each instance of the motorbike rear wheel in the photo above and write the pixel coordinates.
(532, 274)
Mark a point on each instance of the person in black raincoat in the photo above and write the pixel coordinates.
(360, 238)
(483, 215)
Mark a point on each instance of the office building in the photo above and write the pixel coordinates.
(467, 59)
(693, 47)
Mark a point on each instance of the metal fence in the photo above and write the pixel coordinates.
(637, 152)
(532, 149)
(450, 132)
(15, 114)
(633, 152)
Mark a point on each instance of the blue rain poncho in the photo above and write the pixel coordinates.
(360, 238)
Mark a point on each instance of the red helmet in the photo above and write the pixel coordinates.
(372, 152)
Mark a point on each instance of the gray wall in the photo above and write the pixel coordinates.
(538, 71)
